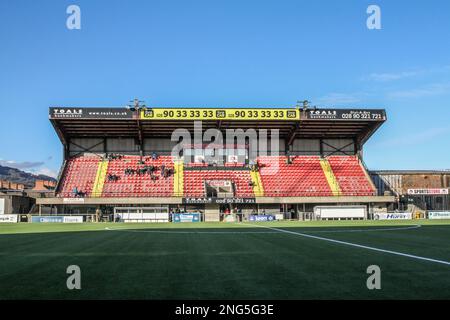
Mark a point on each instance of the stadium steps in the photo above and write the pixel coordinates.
(366, 173)
(331, 178)
(100, 179)
(59, 179)
(258, 188)
(178, 179)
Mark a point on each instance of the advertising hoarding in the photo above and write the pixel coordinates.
(56, 219)
(220, 114)
(186, 217)
(438, 214)
(8, 218)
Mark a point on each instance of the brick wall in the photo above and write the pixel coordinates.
(42, 185)
(424, 181)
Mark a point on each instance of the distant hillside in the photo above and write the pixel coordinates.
(19, 176)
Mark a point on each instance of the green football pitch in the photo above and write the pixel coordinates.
(272, 260)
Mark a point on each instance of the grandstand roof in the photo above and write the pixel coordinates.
(70, 122)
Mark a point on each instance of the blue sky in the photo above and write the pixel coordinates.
(228, 53)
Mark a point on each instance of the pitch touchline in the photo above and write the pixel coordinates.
(367, 230)
(260, 232)
(355, 245)
(192, 232)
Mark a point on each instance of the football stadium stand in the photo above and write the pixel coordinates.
(117, 157)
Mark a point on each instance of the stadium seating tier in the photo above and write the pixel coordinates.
(194, 181)
(139, 185)
(351, 176)
(79, 173)
(303, 177)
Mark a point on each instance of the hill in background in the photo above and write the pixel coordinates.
(19, 176)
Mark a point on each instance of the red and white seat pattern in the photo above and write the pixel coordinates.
(138, 185)
(304, 177)
(351, 176)
(194, 181)
(80, 173)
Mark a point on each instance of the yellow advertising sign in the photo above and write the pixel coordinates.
(219, 114)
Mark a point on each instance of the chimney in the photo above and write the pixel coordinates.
(39, 185)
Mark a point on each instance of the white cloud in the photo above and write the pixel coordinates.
(415, 138)
(392, 76)
(382, 77)
(21, 165)
(425, 91)
(47, 171)
(339, 98)
(36, 167)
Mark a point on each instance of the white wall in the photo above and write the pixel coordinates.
(2, 206)
(330, 212)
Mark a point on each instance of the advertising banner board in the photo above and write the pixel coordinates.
(186, 217)
(8, 218)
(90, 113)
(346, 114)
(438, 214)
(56, 219)
(220, 114)
(436, 191)
(261, 217)
(393, 216)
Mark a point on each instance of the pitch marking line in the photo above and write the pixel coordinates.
(366, 230)
(258, 232)
(355, 245)
(192, 232)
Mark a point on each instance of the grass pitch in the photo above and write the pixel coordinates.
(226, 261)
